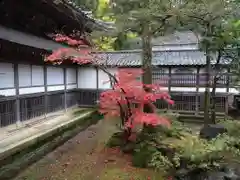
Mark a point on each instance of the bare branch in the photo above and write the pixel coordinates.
(163, 22)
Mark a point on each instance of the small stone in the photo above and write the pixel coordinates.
(212, 131)
(109, 160)
(216, 176)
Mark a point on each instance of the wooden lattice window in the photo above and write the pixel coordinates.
(184, 76)
(160, 75)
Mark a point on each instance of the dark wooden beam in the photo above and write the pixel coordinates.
(39, 17)
(63, 17)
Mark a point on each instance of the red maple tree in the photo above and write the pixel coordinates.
(128, 95)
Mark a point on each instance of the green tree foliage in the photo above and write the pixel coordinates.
(103, 42)
(146, 18)
(213, 22)
(234, 32)
(100, 10)
(89, 5)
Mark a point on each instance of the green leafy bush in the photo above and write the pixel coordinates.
(116, 140)
(194, 152)
(160, 162)
(143, 153)
(186, 149)
(165, 149)
(148, 146)
(233, 127)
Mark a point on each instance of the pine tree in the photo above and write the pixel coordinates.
(212, 20)
(147, 18)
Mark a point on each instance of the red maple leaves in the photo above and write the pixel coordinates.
(128, 93)
(128, 96)
(77, 51)
(68, 40)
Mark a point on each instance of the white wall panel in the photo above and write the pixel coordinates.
(6, 75)
(37, 76)
(233, 91)
(185, 89)
(55, 88)
(218, 90)
(71, 86)
(8, 92)
(54, 75)
(24, 71)
(103, 78)
(87, 78)
(71, 76)
(31, 90)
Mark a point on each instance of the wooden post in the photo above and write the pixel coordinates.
(97, 80)
(77, 85)
(65, 88)
(197, 91)
(77, 77)
(17, 100)
(169, 83)
(97, 76)
(45, 91)
(227, 93)
(97, 83)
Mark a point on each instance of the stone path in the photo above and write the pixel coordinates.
(85, 157)
(75, 160)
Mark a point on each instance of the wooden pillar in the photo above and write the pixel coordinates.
(76, 92)
(17, 100)
(227, 92)
(97, 85)
(97, 76)
(45, 91)
(97, 81)
(169, 83)
(77, 76)
(197, 91)
(65, 87)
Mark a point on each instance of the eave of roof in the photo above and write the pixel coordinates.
(28, 39)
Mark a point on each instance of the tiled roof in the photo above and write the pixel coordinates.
(133, 58)
(177, 38)
(94, 23)
(185, 37)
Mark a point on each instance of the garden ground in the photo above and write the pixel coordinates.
(85, 157)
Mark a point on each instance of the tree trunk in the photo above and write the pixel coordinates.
(214, 86)
(147, 68)
(208, 85)
(146, 56)
(213, 98)
(147, 61)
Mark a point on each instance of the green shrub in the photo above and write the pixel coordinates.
(233, 127)
(160, 162)
(198, 153)
(116, 140)
(187, 149)
(148, 149)
(145, 147)
(142, 154)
